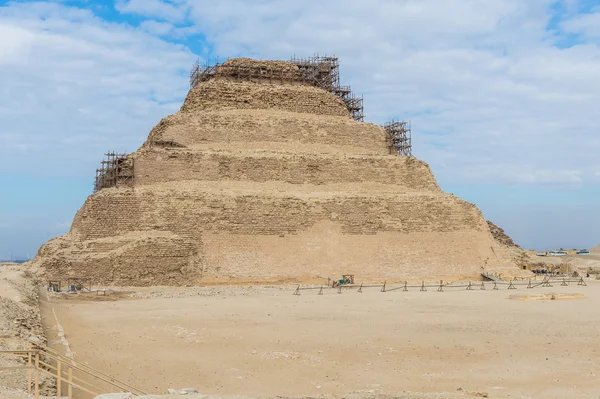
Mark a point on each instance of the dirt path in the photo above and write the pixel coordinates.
(267, 342)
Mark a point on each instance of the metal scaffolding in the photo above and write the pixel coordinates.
(316, 71)
(399, 137)
(116, 169)
(324, 72)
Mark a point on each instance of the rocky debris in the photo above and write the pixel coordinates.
(500, 236)
(11, 393)
(20, 319)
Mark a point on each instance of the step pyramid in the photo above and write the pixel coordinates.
(263, 180)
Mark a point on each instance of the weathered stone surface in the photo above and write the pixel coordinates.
(268, 182)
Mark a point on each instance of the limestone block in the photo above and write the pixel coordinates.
(184, 391)
(126, 395)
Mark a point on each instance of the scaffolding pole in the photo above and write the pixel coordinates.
(399, 137)
(115, 170)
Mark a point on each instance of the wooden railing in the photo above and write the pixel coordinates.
(79, 378)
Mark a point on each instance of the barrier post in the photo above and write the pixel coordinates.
(546, 282)
(29, 367)
(469, 287)
(321, 291)
(59, 378)
(495, 285)
(529, 285)
(441, 287)
(423, 286)
(511, 286)
(70, 382)
(405, 286)
(383, 288)
(297, 292)
(37, 375)
(360, 289)
(482, 286)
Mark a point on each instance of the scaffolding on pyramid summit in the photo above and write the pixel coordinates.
(325, 72)
(318, 71)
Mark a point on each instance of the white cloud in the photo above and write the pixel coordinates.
(587, 25)
(493, 100)
(152, 9)
(14, 41)
(73, 86)
(484, 83)
(156, 28)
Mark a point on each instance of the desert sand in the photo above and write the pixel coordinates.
(264, 342)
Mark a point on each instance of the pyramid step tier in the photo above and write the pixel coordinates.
(271, 130)
(168, 165)
(188, 208)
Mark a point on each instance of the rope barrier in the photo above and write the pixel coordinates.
(440, 287)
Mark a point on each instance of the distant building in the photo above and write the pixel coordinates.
(557, 253)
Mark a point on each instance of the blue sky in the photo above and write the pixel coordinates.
(503, 95)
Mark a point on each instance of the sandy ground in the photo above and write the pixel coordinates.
(265, 342)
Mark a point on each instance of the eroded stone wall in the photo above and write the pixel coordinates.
(306, 133)
(133, 259)
(190, 210)
(167, 165)
(223, 94)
